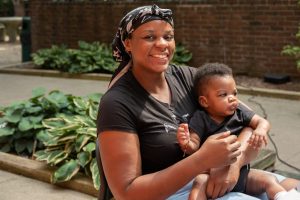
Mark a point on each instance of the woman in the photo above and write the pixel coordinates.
(140, 113)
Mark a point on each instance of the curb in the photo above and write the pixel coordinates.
(27, 68)
(40, 171)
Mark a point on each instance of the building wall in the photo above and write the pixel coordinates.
(246, 35)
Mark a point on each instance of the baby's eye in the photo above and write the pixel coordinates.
(222, 95)
(235, 93)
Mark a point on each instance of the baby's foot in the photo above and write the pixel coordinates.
(298, 187)
(290, 195)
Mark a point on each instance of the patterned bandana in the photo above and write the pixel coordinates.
(130, 22)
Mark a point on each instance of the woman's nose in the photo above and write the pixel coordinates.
(161, 42)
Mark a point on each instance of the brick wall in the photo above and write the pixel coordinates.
(246, 35)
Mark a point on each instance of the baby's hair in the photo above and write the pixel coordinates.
(206, 72)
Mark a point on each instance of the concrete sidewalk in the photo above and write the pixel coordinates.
(284, 115)
(16, 187)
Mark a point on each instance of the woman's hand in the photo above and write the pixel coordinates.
(221, 181)
(221, 149)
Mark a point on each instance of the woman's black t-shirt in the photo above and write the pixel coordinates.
(128, 107)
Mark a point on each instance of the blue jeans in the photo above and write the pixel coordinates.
(183, 193)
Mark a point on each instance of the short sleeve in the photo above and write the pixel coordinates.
(197, 124)
(114, 114)
(246, 113)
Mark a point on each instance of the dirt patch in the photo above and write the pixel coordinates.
(246, 81)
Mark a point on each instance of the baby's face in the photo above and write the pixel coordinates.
(221, 96)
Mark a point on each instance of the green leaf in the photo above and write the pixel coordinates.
(36, 119)
(68, 128)
(53, 155)
(81, 140)
(53, 123)
(29, 146)
(6, 148)
(58, 99)
(14, 116)
(5, 131)
(95, 173)
(25, 124)
(86, 121)
(34, 109)
(84, 158)
(41, 155)
(93, 112)
(87, 131)
(20, 145)
(43, 136)
(67, 138)
(66, 172)
(90, 147)
(80, 103)
(95, 97)
(38, 92)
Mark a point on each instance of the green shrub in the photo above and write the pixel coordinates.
(294, 50)
(93, 57)
(181, 56)
(70, 141)
(63, 127)
(21, 121)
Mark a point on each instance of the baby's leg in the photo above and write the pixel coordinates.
(290, 183)
(260, 181)
(198, 191)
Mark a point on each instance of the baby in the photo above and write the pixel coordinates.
(217, 94)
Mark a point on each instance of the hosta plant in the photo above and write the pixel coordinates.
(70, 141)
(87, 58)
(57, 128)
(21, 121)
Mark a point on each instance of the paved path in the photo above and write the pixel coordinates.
(15, 187)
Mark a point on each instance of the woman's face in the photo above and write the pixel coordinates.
(152, 46)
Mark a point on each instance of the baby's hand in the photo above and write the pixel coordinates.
(258, 139)
(183, 135)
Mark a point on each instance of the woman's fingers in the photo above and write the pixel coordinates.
(223, 146)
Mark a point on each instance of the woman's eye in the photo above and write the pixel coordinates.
(149, 37)
(169, 37)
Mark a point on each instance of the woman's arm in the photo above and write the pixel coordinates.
(121, 161)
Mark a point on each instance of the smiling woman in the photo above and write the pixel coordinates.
(139, 115)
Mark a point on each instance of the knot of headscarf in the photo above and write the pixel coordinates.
(130, 22)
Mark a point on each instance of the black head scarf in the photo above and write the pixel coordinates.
(130, 22)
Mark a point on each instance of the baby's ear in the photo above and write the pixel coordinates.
(203, 101)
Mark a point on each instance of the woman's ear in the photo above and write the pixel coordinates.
(203, 101)
(127, 45)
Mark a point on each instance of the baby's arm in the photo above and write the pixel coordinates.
(260, 127)
(189, 142)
